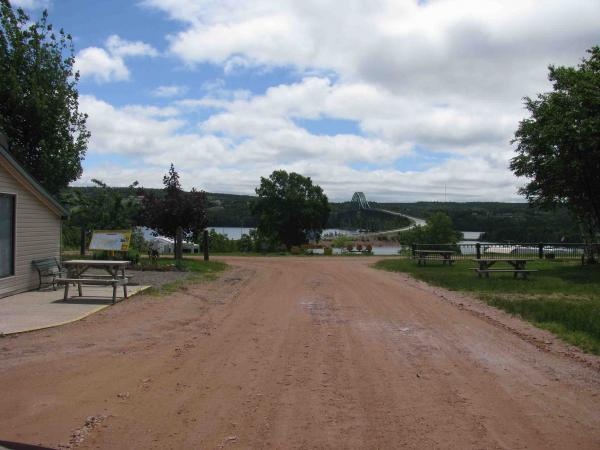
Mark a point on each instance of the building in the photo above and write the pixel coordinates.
(30, 225)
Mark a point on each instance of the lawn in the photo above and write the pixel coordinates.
(563, 297)
(198, 269)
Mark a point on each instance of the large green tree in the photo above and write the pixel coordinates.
(558, 146)
(290, 208)
(437, 230)
(39, 100)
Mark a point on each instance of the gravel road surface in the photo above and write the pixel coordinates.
(299, 353)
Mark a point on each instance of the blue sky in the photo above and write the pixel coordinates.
(396, 98)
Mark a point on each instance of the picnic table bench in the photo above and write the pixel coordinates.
(518, 266)
(50, 269)
(77, 268)
(422, 256)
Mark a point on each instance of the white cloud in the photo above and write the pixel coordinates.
(448, 48)
(169, 91)
(104, 65)
(447, 76)
(97, 63)
(121, 48)
(31, 4)
(233, 150)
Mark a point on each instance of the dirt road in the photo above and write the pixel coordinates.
(298, 353)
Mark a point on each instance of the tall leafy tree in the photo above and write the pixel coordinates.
(290, 208)
(175, 213)
(558, 146)
(99, 207)
(39, 100)
(437, 230)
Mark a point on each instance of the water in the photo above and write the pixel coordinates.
(236, 232)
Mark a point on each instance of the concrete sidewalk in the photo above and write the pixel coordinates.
(42, 309)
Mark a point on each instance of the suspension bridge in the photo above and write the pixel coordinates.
(359, 199)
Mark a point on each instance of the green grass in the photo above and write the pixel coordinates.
(563, 297)
(198, 270)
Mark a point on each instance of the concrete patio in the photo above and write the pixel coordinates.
(35, 310)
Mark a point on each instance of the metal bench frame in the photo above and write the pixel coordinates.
(48, 268)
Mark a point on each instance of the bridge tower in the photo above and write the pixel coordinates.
(360, 200)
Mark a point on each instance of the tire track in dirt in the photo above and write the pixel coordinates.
(297, 353)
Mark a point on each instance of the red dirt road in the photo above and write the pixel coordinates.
(299, 353)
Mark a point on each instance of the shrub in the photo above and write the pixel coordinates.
(295, 250)
(341, 241)
(359, 247)
(349, 247)
(369, 248)
(328, 251)
(133, 256)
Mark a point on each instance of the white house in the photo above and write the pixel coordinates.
(30, 225)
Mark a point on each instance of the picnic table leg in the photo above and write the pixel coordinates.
(79, 288)
(66, 292)
(114, 297)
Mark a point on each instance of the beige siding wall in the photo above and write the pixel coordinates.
(37, 235)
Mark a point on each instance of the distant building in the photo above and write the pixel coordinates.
(472, 235)
(165, 245)
(30, 225)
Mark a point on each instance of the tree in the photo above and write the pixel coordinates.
(290, 208)
(100, 207)
(175, 213)
(39, 100)
(558, 146)
(437, 230)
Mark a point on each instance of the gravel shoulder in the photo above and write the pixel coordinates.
(299, 353)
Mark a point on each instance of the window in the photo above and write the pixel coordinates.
(7, 235)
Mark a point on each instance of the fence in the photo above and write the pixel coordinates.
(498, 250)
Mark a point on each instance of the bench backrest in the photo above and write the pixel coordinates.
(46, 264)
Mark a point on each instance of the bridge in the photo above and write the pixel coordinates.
(360, 200)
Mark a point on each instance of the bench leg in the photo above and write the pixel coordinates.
(66, 292)
(80, 289)
(114, 297)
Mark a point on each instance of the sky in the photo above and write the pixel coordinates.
(404, 100)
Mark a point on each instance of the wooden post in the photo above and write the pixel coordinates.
(179, 243)
(413, 248)
(478, 250)
(541, 250)
(205, 244)
(82, 242)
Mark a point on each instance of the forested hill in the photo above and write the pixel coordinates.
(499, 221)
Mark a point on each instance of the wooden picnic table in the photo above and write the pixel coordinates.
(518, 266)
(78, 267)
(442, 255)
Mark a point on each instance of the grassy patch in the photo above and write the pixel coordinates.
(198, 270)
(563, 297)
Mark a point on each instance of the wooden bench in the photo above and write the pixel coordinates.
(48, 268)
(97, 281)
(523, 272)
(446, 256)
